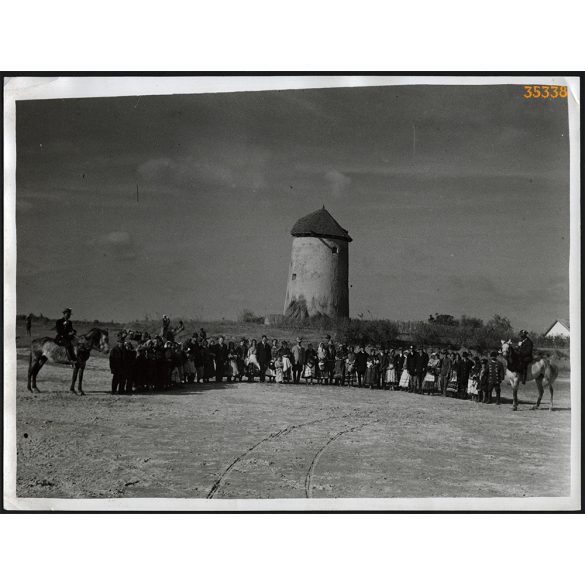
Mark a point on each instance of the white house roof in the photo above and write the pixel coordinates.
(563, 322)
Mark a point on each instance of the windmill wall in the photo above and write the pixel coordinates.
(318, 278)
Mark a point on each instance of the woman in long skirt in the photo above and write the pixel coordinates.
(278, 368)
(232, 368)
(310, 363)
(473, 382)
(322, 373)
(390, 375)
(339, 368)
(252, 361)
(404, 379)
(371, 378)
(270, 372)
(431, 375)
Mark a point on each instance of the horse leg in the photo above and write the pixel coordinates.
(79, 387)
(515, 394)
(551, 395)
(540, 387)
(31, 365)
(74, 377)
(36, 369)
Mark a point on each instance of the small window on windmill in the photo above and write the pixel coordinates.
(294, 276)
(335, 250)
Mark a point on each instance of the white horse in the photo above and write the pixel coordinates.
(539, 370)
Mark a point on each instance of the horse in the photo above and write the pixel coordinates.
(539, 370)
(46, 349)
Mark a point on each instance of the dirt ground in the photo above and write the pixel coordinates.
(283, 441)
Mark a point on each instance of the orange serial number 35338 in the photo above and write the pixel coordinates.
(545, 92)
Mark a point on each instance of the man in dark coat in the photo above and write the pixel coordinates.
(220, 350)
(264, 355)
(422, 360)
(361, 361)
(465, 366)
(298, 359)
(66, 333)
(117, 366)
(410, 365)
(444, 372)
(129, 360)
(28, 324)
(525, 349)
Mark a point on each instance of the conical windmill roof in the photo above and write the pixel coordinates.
(320, 223)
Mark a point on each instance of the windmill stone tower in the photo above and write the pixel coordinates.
(319, 268)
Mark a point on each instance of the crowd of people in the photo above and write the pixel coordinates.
(141, 363)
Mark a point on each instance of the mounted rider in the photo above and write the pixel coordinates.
(525, 351)
(66, 333)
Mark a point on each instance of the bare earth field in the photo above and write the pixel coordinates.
(282, 441)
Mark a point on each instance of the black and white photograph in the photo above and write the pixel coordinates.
(292, 293)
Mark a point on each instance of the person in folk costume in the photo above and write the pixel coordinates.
(278, 369)
(495, 376)
(208, 363)
(252, 361)
(473, 382)
(242, 357)
(399, 359)
(189, 363)
(483, 380)
(526, 350)
(310, 364)
(150, 354)
(444, 372)
(270, 370)
(361, 362)
(285, 356)
(384, 357)
(66, 334)
(322, 375)
(169, 365)
(298, 360)
(390, 372)
(404, 382)
(453, 383)
(410, 367)
(431, 374)
(221, 359)
(465, 365)
(129, 365)
(140, 368)
(350, 366)
(422, 359)
(372, 369)
(117, 366)
(29, 324)
(330, 359)
(339, 368)
(198, 361)
(264, 354)
(232, 370)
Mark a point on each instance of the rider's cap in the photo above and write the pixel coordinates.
(67, 310)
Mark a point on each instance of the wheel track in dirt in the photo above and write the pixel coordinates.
(275, 435)
(311, 471)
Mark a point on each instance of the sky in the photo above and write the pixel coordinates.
(456, 197)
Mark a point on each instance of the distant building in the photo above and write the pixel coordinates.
(319, 268)
(559, 328)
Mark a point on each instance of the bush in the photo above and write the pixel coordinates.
(247, 316)
(377, 332)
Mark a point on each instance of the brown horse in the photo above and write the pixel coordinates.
(539, 370)
(46, 349)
